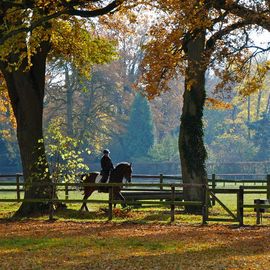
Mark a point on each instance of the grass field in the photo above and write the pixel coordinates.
(137, 238)
(37, 244)
(139, 215)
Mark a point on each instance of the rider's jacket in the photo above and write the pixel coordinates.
(106, 164)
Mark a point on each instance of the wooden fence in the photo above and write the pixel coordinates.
(210, 192)
(52, 200)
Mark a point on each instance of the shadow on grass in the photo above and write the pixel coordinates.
(122, 215)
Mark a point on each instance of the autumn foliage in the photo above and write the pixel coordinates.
(6, 114)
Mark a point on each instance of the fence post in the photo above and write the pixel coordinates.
(205, 204)
(51, 202)
(66, 191)
(213, 188)
(161, 181)
(268, 187)
(240, 206)
(18, 186)
(110, 213)
(172, 204)
(258, 213)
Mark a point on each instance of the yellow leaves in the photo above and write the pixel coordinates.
(50, 6)
(254, 82)
(217, 104)
(45, 3)
(14, 19)
(38, 35)
(122, 213)
(21, 46)
(6, 112)
(72, 41)
(163, 58)
(26, 29)
(14, 45)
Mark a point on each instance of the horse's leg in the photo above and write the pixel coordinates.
(115, 196)
(88, 190)
(123, 199)
(86, 196)
(118, 195)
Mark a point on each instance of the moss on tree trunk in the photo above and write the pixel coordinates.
(191, 145)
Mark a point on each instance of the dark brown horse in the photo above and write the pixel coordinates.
(121, 171)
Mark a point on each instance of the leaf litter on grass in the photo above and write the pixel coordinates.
(35, 244)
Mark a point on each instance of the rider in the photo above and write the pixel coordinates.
(106, 166)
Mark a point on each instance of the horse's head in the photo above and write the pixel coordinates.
(128, 172)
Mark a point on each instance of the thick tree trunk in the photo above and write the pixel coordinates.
(191, 145)
(26, 91)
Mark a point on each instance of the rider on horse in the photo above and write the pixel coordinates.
(106, 166)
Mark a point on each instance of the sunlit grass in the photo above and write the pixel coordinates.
(99, 212)
(136, 238)
(41, 245)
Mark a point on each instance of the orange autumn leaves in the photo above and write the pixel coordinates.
(7, 119)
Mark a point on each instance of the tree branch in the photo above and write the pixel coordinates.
(67, 11)
(97, 12)
(210, 44)
(260, 18)
(31, 27)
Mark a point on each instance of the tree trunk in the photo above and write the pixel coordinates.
(248, 116)
(258, 105)
(69, 96)
(267, 105)
(191, 145)
(26, 92)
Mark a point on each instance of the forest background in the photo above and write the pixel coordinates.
(83, 114)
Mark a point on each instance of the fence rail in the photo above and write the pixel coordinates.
(213, 178)
(51, 200)
(210, 193)
(213, 181)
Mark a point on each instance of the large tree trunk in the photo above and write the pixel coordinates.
(191, 145)
(26, 91)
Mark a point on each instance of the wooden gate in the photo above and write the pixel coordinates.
(233, 217)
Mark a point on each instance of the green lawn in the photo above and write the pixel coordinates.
(141, 215)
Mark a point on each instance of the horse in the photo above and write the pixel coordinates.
(121, 171)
